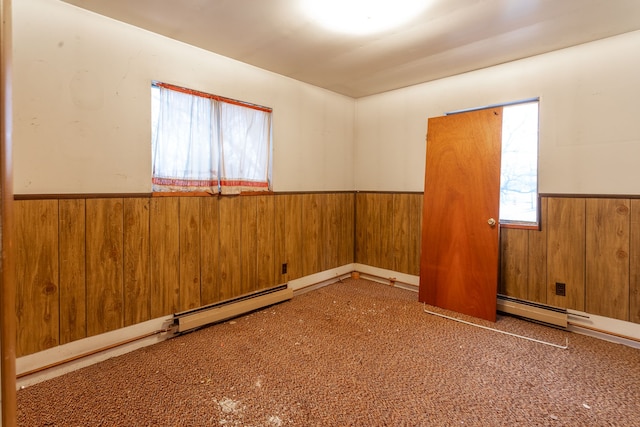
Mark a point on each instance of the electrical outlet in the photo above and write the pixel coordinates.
(561, 289)
(284, 268)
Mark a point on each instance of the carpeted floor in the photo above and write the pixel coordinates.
(355, 353)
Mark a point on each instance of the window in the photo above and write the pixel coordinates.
(519, 162)
(519, 168)
(203, 142)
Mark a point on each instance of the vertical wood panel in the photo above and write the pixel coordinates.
(248, 244)
(384, 249)
(537, 250)
(189, 253)
(266, 242)
(362, 227)
(280, 247)
(376, 227)
(331, 230)
(311, 234)
(514, 260)
(105, 264)
(346, 236)
(401, 226)
(634, 259)
(607, 258)
(165, 255)
(37, 293)
(293, 235)
(137, 263)
(566, 251)
(373, 233)
(230, 237)
(73, 291)
(209, 250)
(417, 201)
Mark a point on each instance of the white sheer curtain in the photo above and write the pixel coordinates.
(207, 143)
(245, 136)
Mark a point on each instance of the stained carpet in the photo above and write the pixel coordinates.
(354, 353)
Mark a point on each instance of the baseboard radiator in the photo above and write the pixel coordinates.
(537, 312)
(188, 320)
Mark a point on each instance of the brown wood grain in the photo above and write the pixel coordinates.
(36, 263)
(514, 262)
(347, 229)
(165, 255)
(417, 201)
(388, 231)
(607, 257)
(401, 231)
(361, 249)
(384, 234)
(105, 284)
(248, 244)
(230, 283)
(330, 231)
(189, 253)
(634, 262)
(52, 262)
(460, 251)
(209, 249)
(537, 255)
(293, 235)
(266, 248)
(280, 247)
(311, 234)
(566, 251)
(373, 233)
(73, 291)
(137, 262)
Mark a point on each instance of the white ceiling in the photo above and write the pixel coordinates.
(449, 37)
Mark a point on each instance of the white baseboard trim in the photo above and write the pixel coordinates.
(56, 361)
(318, 280)
(605, 328)
(388, 277)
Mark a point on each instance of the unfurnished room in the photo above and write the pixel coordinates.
(320, 213)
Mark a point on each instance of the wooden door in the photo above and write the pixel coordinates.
(459, 263)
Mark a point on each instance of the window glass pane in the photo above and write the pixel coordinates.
(519, 170)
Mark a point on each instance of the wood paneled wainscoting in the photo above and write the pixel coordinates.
(589, 243)
(88, 264)
(388, 231)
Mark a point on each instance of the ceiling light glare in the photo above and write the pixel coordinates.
(362, 16)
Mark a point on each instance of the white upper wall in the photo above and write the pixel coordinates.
(81, 85)
(589, 119)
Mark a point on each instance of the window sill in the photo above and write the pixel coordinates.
(520, 225)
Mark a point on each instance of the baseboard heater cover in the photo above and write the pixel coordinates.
(219, 312)
(537, 312)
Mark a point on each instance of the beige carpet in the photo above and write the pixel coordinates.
(356, 353)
